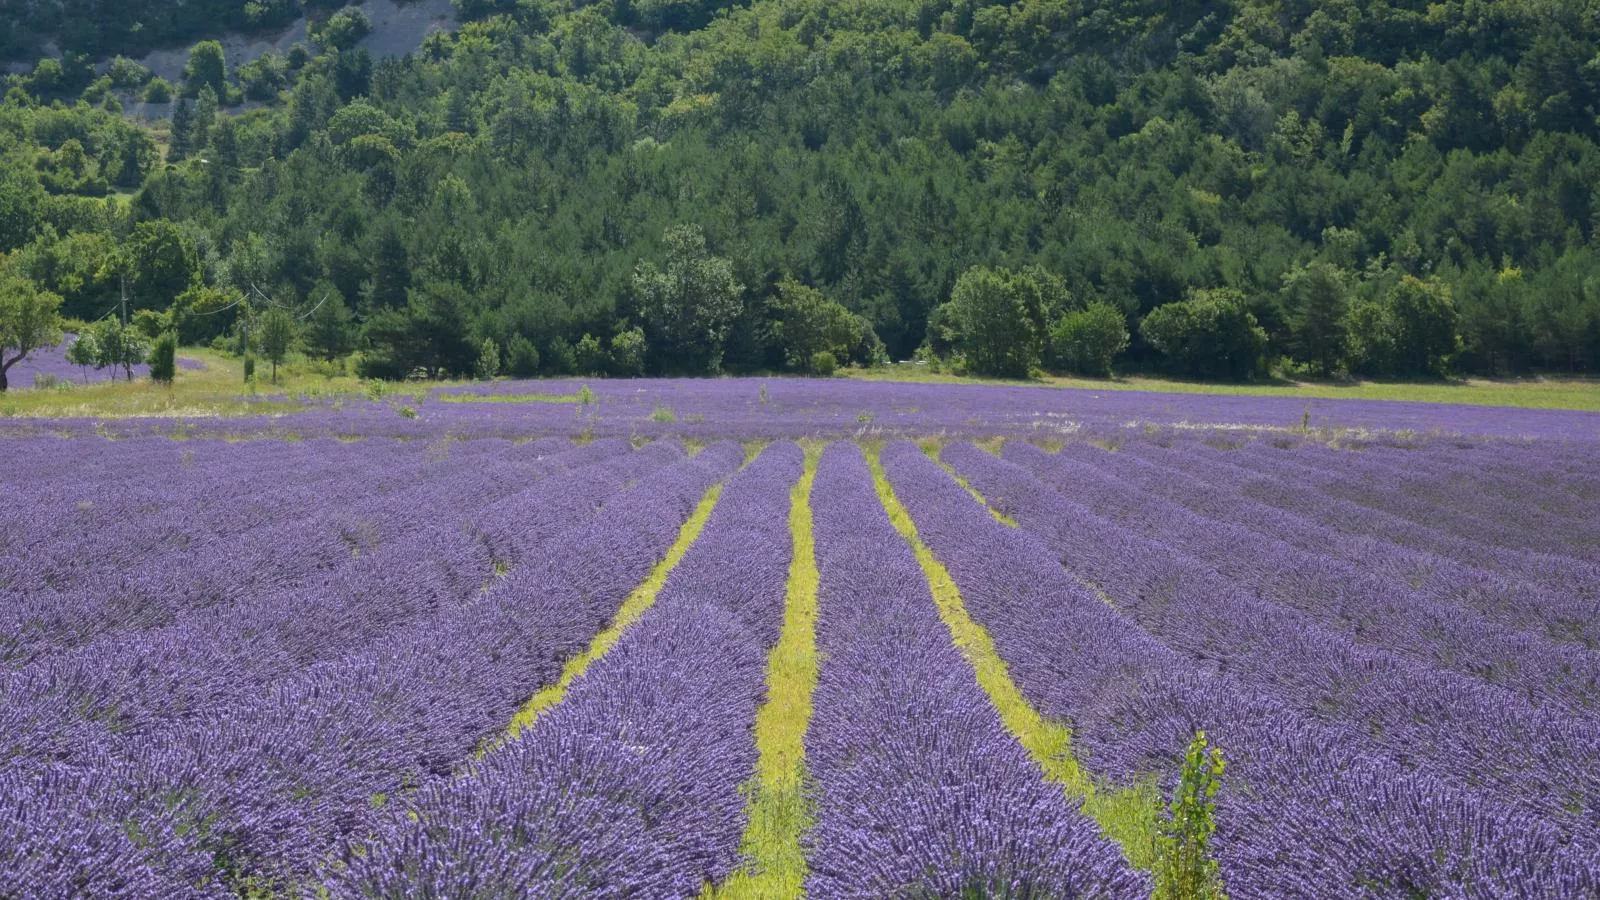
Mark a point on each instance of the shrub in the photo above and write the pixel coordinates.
(488, 362)
(590, 356)
(559, 358)
(342, 30)
(1209, 335)
(522, 357)
(159, 90)
(164, 358)
(823, 363)
(1086, 341)
(627, 352)
(1185, 870)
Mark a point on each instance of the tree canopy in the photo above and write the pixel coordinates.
(1392, 189)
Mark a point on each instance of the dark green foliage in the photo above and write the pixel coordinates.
(342, 30)
(164, 358)
(329, 330)
(430, 335)
(522, 358)
(1210, 335)
(206, 69)
(577, 169)
(1085, 341)
(1316, 300)
(277, 331)
(559, 358)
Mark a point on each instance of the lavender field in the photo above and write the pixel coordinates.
(802, 638)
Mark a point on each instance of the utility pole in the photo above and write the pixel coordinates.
(122, 336)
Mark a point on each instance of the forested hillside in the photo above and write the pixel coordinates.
(1210, 189)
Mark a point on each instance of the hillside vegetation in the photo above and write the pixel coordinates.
(1214, 190)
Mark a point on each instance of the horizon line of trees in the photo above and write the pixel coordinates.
(1213, 190)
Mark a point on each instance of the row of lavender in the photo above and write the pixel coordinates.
(1356, 704)
(283, 702)
(232, 741)
(631, 787)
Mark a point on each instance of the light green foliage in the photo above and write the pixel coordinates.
(159, 90)
(590, 356)
(30, 319)
(690, 304)
(278, 330)
(488, 364)
(1209, 335)
(806, 324)
(342, 30)
(1184, 868)
(118, 346)
(998, 319)
(1085, 341)
(83, 352)
(206, 68)
(627, 352)
(823, 363)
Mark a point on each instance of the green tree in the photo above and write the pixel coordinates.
(118, 346)
(627, 352)
(277, 333)
(994, 316)
(205, 118)
(206, 68)
(83, 353)
(690, 305)
(1209, 335)
(342, 30)
(161, 262)
(1085, 341)
(21, 206)
(806, 323)
(522, 357)
(1316, 298)
(159, 90)
(329, 332)
(431, 333)
(1424, 321)
(488, 363)
(164, 358)
(181, 145)
(30, 319)
(590, 355)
